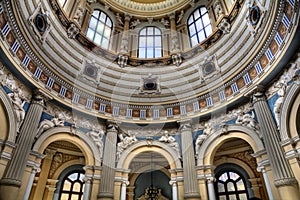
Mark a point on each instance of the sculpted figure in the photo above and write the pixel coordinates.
(125, 142)
(97, 136)
(18, 104)
(171, 141)
(46, 124)
(246, 119)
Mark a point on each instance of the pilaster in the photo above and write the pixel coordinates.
(106, 190)
(11, 181)
(189, 173)
(281, 169)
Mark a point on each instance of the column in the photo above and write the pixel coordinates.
(211, 188)
(87, 188)
(42, 182)
(267, 183)
(106, 190)
(188, 158)
(30, 182)
(11, 181)
(174, 190)
(123, 189)
(281, 170)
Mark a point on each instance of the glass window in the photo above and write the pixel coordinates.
(72, 186)
(150, 42)
(199, 26)
(231, 186)
(100, 28)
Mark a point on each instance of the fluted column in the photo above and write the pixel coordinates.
(281, 170)
(188, 158)
(11, 181)
(106, 190)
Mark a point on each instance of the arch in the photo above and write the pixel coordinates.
(292, 96)
(64, 166)
(214, 141)
(82, 141)
(11, 116)
(144, 146)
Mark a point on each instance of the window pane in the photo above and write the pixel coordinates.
(107, 32)
(150, 53)
(201, 36)
(157, 31)
(192, 29)
(208, 30)
(105, 43)
(230, 186)
(240, 185)
(64, 197)
(100, 28)
(142, 42)
(90, 34)
(157, 41)
(93, 23)
(75, 197)
(157, 53)
(150, 30)
(203, 10)
(108, 22)
(102, 17)
(150, 42)
(194, 40)
(67, 185)
(221, 187)
(76, 187)
(191, 20)
(73, 177)
(199, 26)
(223, 197)
(243, 196)
(142, 53)
(96, 13)
(143, 32)
(233, 175)
(206, 20)
(232, 197)
(97, 39)
(196, 14)
(223, 177)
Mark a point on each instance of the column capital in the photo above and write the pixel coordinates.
(112, 126)
(49, 153)
(40, 97)
(211, 179)
(185, 124)
(172, 16)
(173, 182)
(127, 17)
(285, 181)
(258, 96)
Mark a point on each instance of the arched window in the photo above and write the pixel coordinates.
(231, 185)
(72, 186)
(150, 42)
(199, 26)
(100, 28)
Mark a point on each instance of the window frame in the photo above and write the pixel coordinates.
(227, 193)
(152, 48)
(70, 192)
(195, 23)
(107, 24)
